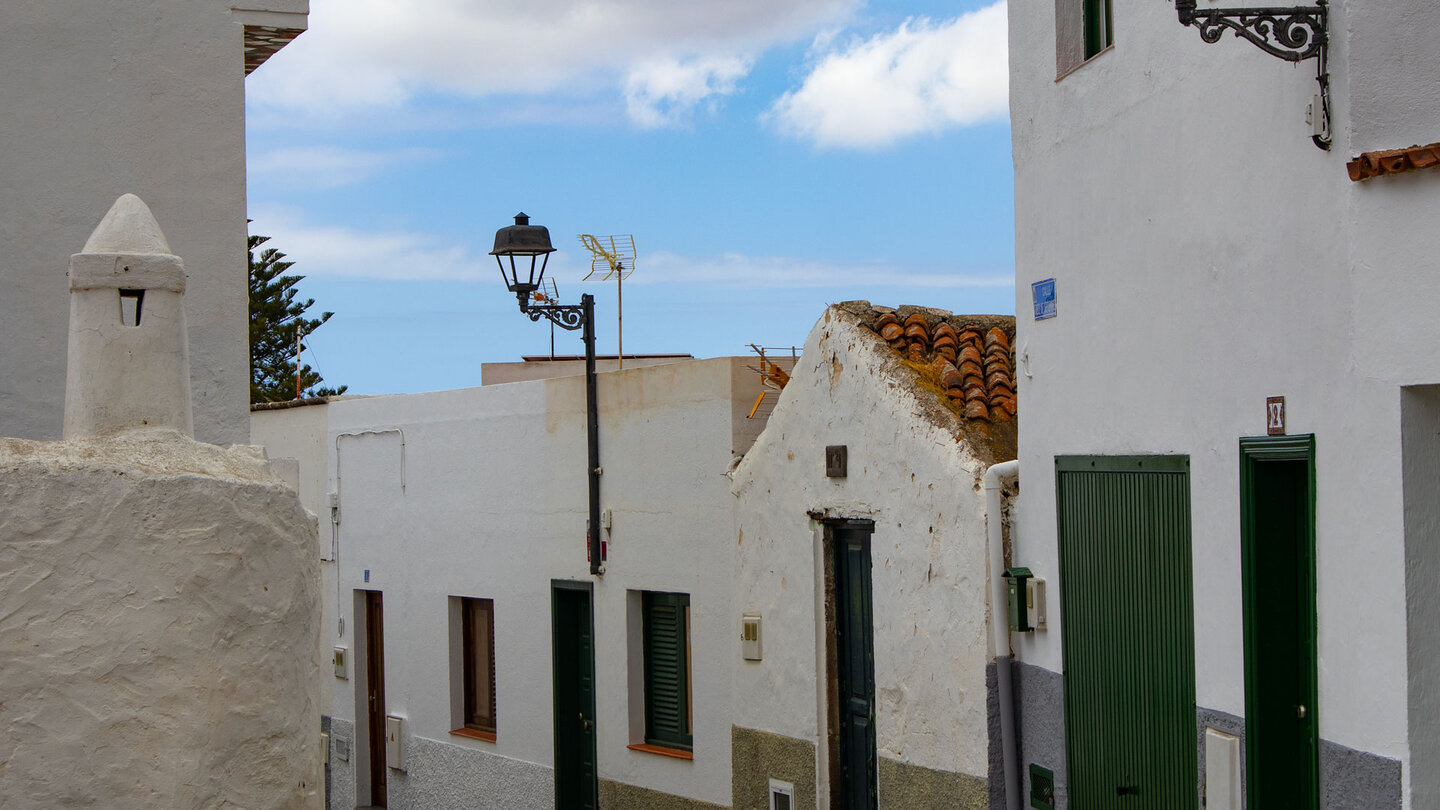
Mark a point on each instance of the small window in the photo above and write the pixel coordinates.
(478, 639)
(782, 795)
(1098, 23)
(668, 714)
(1083, 28)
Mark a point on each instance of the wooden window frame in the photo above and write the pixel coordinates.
(658, 739)
(479, 719)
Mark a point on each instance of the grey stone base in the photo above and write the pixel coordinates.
(340, 791)
(1040, 722)
(620, 796)
(1349, 779)
(759, 756)
(911, 787)
(448, 776)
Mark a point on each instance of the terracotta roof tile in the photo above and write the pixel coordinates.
(1393, 161)
(262, 42)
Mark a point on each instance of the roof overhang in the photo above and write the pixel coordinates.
(267, 31)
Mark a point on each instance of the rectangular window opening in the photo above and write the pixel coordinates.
(782, 795)
(1083, 29)
(477, 652)
(130, 306)
(669, 714)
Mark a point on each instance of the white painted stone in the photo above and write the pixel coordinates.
(911, 471)
(127, 374)
(157, 646)
(145, 96)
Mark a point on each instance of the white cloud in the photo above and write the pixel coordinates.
(921, 78)
(360, 55)
(770, 272)
(662, 93)
(328, 166)
(338, 251)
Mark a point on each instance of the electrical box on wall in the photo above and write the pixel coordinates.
(1026, 600)
(394, 753)
(341, 671)
(750, 638)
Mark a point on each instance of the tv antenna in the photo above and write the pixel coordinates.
(614, 256)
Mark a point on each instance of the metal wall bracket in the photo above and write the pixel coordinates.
(1294, 34)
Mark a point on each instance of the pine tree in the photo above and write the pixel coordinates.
(275, 316)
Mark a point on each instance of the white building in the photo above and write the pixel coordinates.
(861, 558)
(1246, 612)
(134, 96)
(459, 536)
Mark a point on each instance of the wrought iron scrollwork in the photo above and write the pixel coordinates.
(1293, 34)
(570, 317)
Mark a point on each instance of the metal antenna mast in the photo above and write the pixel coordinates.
(614, 256)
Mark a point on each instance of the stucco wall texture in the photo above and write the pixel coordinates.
(910, 471)
(158, 613)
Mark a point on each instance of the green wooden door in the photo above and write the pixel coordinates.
(573, 637)
(855, 647)
(1277, 518)
(1128, 631)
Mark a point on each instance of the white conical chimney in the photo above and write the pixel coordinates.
(129, 364)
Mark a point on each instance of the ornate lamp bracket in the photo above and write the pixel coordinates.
(569, 317)
(1294, 34)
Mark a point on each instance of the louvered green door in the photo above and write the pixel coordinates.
(1128, 619)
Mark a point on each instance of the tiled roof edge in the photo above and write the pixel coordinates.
(1393, 161)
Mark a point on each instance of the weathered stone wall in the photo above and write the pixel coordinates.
(158, 614)
(620, 796)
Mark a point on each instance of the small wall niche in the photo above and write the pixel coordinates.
(131, 303)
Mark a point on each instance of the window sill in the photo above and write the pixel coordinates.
(677, 753)
(474, 734)
(1076, 68)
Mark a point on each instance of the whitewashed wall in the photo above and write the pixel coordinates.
(921, 486)
(492, 504)
(1208, 256)
(101, 99)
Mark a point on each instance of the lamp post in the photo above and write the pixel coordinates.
(523, 241)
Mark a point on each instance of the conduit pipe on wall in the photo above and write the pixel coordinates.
(999, 628)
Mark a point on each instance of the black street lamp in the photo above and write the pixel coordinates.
(518, 242)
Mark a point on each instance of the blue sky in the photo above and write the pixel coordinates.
(769, 157)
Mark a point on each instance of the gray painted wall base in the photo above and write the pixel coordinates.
(446, 776)
(620, 796)
(1040, 710)
(342, 764)
(759, 756)
(1349, 779)
(911, 787)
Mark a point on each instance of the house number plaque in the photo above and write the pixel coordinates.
(1275, 416)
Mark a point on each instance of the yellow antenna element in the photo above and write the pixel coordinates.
(614, 257)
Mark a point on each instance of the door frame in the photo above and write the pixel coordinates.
(375, 780)
(1256, 450)
(562, 772)
(835, 715)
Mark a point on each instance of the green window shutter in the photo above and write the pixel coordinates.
(1097, 26)
(667, 675)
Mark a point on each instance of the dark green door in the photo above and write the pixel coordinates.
(573, 636)
(1277, 518)
(855, 652)
(1128, 630)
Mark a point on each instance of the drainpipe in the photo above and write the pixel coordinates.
(999, 629)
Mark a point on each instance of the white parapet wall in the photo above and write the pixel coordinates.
(160, 610)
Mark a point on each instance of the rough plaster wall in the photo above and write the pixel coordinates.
(1420, 409)
(100, 99)
(761, 756)
(341, 793)
(908, 472)
(1320, 297)
(158, 609)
